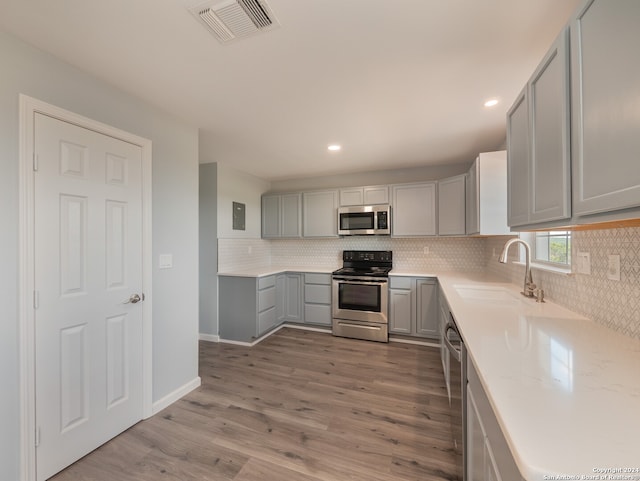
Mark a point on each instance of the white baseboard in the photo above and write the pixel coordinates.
(309, 328)
(209, 337)
(175, 395)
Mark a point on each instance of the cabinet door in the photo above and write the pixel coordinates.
(352, 196)
(451, 205)
(472, 211)
(376, 195)
(293, 302)
(518, 161)
(400, 311)
(491, 468)
(550, 135)
(281, 296)
(320, 214)
(427, 320)
(605, 74)
(476, 470)
(414, 209)
(291, 215)
(271, 216)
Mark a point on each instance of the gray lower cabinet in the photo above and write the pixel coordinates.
(414, 210)
(443, 319)
(488, 455)
(247, 307)
(289, 297)
(317, 299)
(413, 307)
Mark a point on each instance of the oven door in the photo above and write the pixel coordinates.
(360, 300)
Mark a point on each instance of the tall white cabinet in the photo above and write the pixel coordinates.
(486, 195)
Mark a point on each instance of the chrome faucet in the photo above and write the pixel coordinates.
(529, 287)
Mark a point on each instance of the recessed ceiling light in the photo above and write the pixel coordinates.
(334, 147)
(491, 102)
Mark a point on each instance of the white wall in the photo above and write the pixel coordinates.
(237, 186)
(175, 219)
(379, 177)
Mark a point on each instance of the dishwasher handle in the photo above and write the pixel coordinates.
(450, 347)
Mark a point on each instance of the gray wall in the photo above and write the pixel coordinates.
(237, 186)
(209, 249)
(175, 219)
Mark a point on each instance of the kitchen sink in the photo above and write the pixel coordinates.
(488, 294)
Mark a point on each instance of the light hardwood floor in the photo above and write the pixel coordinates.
(300, 405)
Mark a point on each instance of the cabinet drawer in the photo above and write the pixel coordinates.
(266, 320)
(266, 299)
(317, 314)
(264, 282)
(317, 294)
(311, 278)
(400, 282)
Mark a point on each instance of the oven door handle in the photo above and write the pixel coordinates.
(450, 347)
(355, 280)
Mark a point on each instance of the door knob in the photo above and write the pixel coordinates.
(134, 299)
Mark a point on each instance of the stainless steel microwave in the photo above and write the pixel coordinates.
(364, 220)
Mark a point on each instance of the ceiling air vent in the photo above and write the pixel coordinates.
(233, 19)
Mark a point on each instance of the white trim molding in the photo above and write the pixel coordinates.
(26, 283)
(208, 337)
(175, 395)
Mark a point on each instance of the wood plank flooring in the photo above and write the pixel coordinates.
(300, 405)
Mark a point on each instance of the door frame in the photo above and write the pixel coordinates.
(26, 258)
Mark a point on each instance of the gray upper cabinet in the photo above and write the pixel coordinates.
(518, 161)
(414, 209)
(271, 216)
(538, 142)
(451, 205)
(605, 70)
(486, 196)
(320, 214)
(364, 195)
(550, 179)
(281, 215)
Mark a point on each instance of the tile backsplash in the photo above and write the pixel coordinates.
(438, 254)
(615, 304)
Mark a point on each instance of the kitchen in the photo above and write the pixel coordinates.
(593, 295)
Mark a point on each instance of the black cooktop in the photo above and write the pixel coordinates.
(365, 263)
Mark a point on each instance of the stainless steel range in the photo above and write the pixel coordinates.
(361, 296)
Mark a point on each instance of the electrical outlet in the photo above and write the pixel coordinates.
(583, 260)
(249, 249)
(425, 250)
(613, 271)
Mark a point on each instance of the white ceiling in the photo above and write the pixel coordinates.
(399, 83)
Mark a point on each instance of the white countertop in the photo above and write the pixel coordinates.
(277, 269)
(565, 390)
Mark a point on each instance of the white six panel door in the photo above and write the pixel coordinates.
(88, 263)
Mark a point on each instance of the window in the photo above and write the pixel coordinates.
(552, 247)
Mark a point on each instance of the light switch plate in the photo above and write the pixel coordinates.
(613, 271)
(584, 263)
(165, 261)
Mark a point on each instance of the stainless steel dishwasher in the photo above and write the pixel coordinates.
(458, 380)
